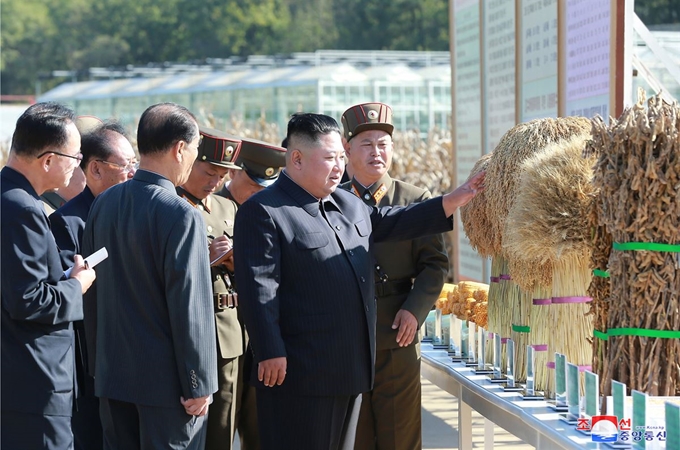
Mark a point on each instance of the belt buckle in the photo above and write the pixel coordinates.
(221, 302)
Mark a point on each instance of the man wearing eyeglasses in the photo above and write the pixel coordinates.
(108, 159)
(38, 302)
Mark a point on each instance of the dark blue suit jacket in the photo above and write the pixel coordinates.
(306, 285)
(37, 308)
(155, 319)
(68, 223)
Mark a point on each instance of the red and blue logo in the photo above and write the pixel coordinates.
(604, 428)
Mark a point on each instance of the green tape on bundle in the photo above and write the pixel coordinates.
(600, 273)
(663, 334)
(600, 335)
(651, 246)
(521, 329)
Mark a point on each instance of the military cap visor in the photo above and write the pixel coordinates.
(219, 148)
(261, 161)
(367, 116)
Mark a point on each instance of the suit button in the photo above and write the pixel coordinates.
(337, 227)
(351, 253)
(366, 308)
(363, 280)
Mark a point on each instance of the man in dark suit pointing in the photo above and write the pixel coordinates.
(306, 287)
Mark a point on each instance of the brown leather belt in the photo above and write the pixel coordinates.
(224, 301)
(396, 287)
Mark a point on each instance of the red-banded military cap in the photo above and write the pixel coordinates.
(261, 161)
(219, 148)
(367, 116)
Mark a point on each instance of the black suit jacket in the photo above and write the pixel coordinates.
(306, 284)
(155, 319)
(37, 306)
(68, 223)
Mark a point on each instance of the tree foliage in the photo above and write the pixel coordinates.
(40, 36)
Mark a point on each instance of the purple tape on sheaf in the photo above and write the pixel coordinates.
(495, 279)
(559, 300)
(504, 340)
(584, 368)
(505, 277)
(489, 335)
(550, 364)
(541, 301)
(540, 347)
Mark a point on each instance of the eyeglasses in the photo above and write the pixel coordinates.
(78, 157)
(132, 165)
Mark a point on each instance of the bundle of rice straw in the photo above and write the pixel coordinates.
(550, 211)
(502, 179)
(540, 336)
(473, 215)
(639, 174)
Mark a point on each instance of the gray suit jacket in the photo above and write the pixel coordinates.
(306, 283)
(155, 327)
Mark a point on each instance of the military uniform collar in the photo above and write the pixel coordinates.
(203, 205)
(376, 191)
(226, 193)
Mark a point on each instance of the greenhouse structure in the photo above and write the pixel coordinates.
(416, 84)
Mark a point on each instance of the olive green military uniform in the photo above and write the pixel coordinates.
(219, 220)
(409, 276)
(413, 273)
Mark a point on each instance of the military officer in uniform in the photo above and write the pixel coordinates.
(219, 154)
(409, 276)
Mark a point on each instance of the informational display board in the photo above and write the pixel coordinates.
(587, 52)
(538, 59)
(518, 60)
(468, 123)
(498, 31)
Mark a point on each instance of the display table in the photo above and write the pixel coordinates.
(533, 421)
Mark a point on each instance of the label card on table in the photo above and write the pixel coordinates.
(672, 426)
(639, 417)
(560, 379)
(619, 397)
(572, 389)
(592, 394)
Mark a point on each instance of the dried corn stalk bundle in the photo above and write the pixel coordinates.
(540, 337)
(423, 162)
(639, 174)
(473, 216)
(601, 245)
